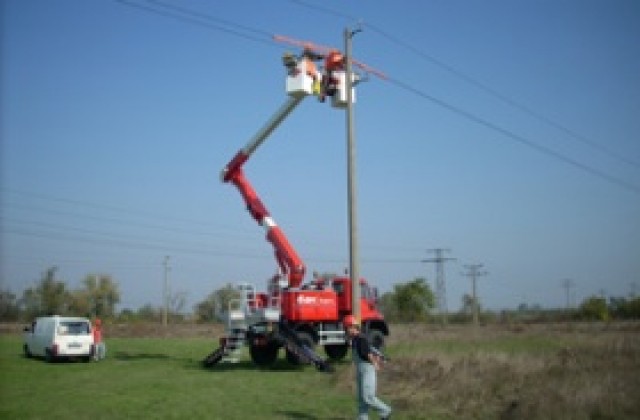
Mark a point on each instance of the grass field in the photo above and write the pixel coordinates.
(538, 372)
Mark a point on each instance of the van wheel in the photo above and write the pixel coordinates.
(48, 356)
(27, 352)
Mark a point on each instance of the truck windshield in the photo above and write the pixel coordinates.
(74, 328)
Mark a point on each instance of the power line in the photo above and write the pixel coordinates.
(513, 136)
(103, 206)
(203, 20)
(404, 86)
(476, 83)
(98, 238)
(211, 18)
(122, 243)
(121, 222)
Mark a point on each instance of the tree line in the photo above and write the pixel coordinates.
(410, 301)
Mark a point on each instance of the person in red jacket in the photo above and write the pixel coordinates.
(100, 351)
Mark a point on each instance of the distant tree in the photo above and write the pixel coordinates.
(619, 308)
(100, 293)
(633, 307)
(594, 308)
(127, 315)
(149, 313)
(79, 303)
(623, 308)
(9, 308)
(49, 297)
(388, 307)
(410, 301)
(30, 303)
(216, 303)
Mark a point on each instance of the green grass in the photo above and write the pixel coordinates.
(162, 378)
(533, 372)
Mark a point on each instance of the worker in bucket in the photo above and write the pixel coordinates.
(367, 363)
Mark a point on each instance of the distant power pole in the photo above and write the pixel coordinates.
(568, 284)
(165, 292)
(474, 271)
(441, 289)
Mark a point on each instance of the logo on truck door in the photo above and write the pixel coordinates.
(313, 300)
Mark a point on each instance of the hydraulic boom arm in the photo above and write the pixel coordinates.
(286, 256)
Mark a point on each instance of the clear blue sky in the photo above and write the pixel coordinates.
(116, 121)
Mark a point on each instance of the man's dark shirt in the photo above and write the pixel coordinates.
(360, 344)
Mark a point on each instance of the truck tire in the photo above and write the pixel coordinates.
(376, 338)
(48, 356)
(264, 355)
(305, 339)
(336, 352)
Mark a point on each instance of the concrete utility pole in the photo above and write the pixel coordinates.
(474, 271)
(354, 268)
(441, 289)
(568, 284)
(165, 292)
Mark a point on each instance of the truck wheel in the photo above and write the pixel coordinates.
(48, 356)
(376, 339)
(336, 351)
(27, 352)
(305, 339)
(264, 355)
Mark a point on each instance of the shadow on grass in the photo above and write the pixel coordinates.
(291, 414)
(278, 366)
(126, 356)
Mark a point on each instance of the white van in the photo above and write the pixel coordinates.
(57, 337)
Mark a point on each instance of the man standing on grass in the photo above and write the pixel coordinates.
(367, 364)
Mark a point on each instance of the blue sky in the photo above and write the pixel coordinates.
(117, 119)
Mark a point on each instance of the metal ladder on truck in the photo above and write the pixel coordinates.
(233, 341)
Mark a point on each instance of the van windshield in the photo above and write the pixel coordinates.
(74, 328)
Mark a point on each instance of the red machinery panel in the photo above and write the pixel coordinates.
(310, 305)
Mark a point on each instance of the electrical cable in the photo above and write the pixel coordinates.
(201, 19)
(407, 87)
(476, 83)
(513, 136)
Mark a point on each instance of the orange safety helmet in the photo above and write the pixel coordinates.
(350, 321)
